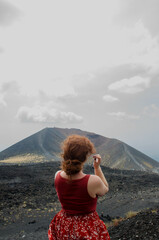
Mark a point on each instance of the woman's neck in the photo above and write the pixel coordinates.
(74, 176)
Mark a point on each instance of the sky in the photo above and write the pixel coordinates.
(86, 64)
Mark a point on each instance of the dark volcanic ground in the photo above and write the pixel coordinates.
(145, 226)
(28, 200)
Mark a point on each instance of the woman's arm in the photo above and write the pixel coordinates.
(97, 184)
(98, 171)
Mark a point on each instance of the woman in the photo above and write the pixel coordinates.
(77, 193)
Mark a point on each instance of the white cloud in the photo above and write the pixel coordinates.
(90, 101)
(41, 59)
(151, 111)
(131, 11)
(130, 85)
(38, 114)
(9, 86)
(1, 50)
(8, 90)
(109, 98)
(123, 115)
(69, 93)
(2, 101)
(8, 13)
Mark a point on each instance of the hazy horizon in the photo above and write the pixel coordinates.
(91, 65)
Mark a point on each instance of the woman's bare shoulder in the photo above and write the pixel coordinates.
(94, 179)
(57, 173)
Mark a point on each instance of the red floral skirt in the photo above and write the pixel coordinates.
(68, 227)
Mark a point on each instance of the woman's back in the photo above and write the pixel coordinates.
(74, 196)
(78, 193)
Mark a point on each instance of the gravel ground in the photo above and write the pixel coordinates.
(143, 226)
(28, 202)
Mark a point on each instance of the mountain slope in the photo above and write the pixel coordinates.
(45, 145)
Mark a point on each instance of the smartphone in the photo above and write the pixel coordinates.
(95, 158)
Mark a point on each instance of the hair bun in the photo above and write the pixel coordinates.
(71, 166)
(68, 162)
(75, 162)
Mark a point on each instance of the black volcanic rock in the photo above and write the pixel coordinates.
(145, 226)
(28, 201)
(45, 145)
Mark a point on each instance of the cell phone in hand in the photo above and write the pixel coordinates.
(95, 158)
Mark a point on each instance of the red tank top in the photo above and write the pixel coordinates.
(73, 195)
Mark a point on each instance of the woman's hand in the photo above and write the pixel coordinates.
(97, 161)
(100, 184)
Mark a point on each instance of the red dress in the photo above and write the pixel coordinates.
(78, 218)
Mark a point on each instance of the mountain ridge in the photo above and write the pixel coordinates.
(45, 146)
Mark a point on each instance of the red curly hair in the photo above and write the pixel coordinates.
(76, 149)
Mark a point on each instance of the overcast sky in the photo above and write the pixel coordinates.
(92, 65)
